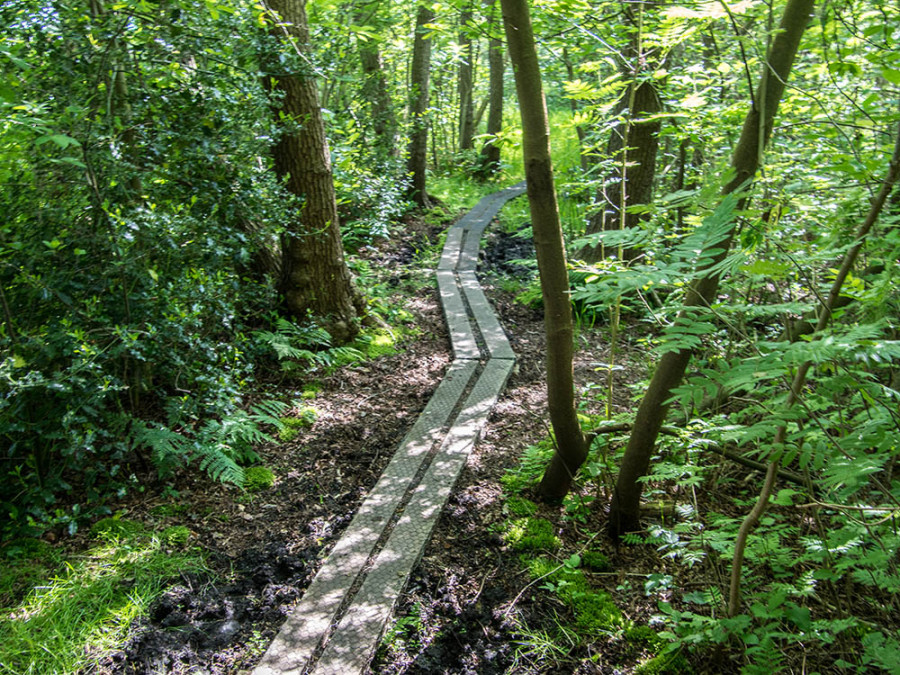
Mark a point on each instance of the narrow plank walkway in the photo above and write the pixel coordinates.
(338, 623)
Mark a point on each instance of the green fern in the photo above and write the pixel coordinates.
(219, 446)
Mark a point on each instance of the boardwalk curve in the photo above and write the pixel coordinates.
(336, 626)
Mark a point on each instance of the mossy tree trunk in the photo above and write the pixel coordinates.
(624, 511)
(571, 448)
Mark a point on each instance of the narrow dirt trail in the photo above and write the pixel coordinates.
(337, 625)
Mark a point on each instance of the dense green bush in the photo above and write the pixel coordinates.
(139, 212)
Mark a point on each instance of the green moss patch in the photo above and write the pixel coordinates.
(531, 534)
(672, 663)
(519, 506)
(258, 478)
(293, 425)
(378, 343)
(595, 561)
(594, 609)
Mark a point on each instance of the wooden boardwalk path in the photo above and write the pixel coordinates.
(337, 625)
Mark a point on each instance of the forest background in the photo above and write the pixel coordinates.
(151, 239)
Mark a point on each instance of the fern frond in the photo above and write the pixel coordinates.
(168, 448)
(214, 460)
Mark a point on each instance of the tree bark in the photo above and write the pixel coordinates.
(625, 508)
(374, 89)
(465, 83)
(417, 161)
(633, 145)
(314, 277)
(489, 163)
(571, 448)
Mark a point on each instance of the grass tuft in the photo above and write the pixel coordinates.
(72, 618)
(116, 527)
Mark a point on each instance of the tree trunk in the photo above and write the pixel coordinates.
(465, 82)
(625, 508)
(374, 89)
(417, 162)
(314, 278)
(489, 163)
(633, 145)
(571, 448)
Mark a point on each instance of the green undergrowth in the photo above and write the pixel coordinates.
(61, 614)
(258, 478)
(292, 425)
(531, 534)
(594, 619)
(458, 192)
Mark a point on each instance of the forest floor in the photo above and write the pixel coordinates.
(464, 610)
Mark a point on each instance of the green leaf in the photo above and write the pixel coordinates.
(696, 597)
(784, 497)
(891, 75)
(61, 140)
(799, 616)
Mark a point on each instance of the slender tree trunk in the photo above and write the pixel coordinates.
(374, 89)
(314, 277)
(633, 145)
(571, 448)
(465, 83)
(625, 508)
(417, 162)
(489, 163)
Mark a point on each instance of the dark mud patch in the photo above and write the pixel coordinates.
(200, 625)
(505, 253)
